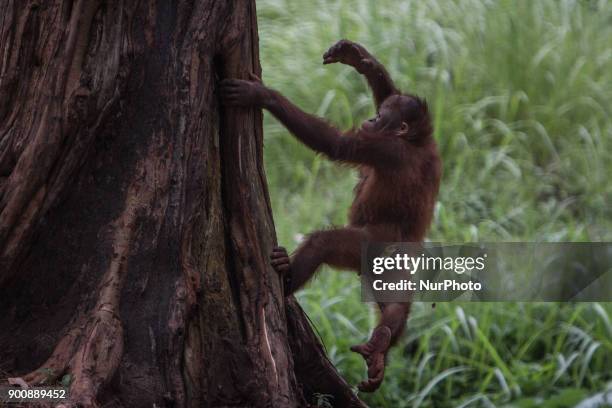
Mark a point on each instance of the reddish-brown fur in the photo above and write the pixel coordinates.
(400, 174)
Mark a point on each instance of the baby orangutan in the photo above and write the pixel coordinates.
(400, 172)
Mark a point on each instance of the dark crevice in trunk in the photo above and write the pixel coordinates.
(225, 154)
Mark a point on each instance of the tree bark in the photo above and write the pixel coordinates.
(135, 222)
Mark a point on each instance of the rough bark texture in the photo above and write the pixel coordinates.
(134, 217)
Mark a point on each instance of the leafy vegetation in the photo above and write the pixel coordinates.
(521, 96)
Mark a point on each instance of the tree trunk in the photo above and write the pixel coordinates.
(135, 223)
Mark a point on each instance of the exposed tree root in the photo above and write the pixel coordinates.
(97, 358)
(90, 355)
(56, 365)
(92, 351)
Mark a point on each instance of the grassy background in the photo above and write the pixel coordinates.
(521, 96)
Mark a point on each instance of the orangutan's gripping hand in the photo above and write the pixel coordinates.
(282, 265)
(374, 352)
(246, 94)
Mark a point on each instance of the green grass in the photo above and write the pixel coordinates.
(521, 97)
